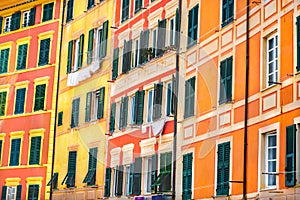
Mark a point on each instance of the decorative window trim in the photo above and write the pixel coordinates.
(34, 181)
(127, 150)
(115, 153)
(12, 181)
(154, 16)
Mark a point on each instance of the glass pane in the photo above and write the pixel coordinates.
(271, 55)
(271, 43)
(271, 153)
(272, 141)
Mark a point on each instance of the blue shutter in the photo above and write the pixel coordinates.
(140, 107)
(119, 180)
(15, 152)
(1, 142)
(19, 192)
(107, 182)
(223, 168)
(137, 177)
(90, 46)
(187, 176)
(80, 55)
(48, 12)
(70, 10)
(32, 16)
(39, 99)
(2, 103)
(20, 101)
(4, 56)
(125, 10)
(15, 21)
(44, 52)
(22, 56)
(161, 40)
(1, 19)
(60, 118)
(189, 104)
(158, 90)
(225, 81)
(193, 26)
(90, 4)
(290, 157)
(4, 190)
(71, 169)
(35, 150)
(154, 174)
(75, 113)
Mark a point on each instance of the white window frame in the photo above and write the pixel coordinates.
(136, 53)
(168, 101)
(172, 40)
(150, 105)
(26, 18)
(11, 193)
(94, 105)
(7, 23)
(115, 182)
(76, 58)
(147, 174)
(274, 61)
(268, 159)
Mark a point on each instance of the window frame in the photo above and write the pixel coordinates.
(26, 56)
(24, 101)
(194, 41)
(172, 31)
(123, 19)
(26, 19)
(228, 19)
(52, 14)
(7, 24)
(76, 113)
(7, 61)
(169, 99)
(274, 61)
(268, 159)
(147, 174)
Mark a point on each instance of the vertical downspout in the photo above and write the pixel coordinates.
(175, 96)
(57, 91)
(246, 104)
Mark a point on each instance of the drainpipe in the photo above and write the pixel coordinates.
(57, 91)
(175, 96)
(246, 104)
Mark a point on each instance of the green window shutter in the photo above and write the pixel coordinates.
(90, 46)
(177, 24)
(93, 158)
(115, 64)
(71, 168)
(126, 65)
(20, 101)
(161, 40)
(15, 152)
(22, 56)
(125, 111)
(121, 119)
(70, 56)
(1, 20)
(32, 16)
(101, 98)
(48, 12)
(33, 192)
(298, 43)
(131, 178)
(290, 157)
(35, 149)
(44, 52)
(40, 94)
(158, 90)
(91, 4)
(75, 113)
(137, 176)
(107, 182)
(80, 55)
(53, 181)
(189, 104)
(4, 191)
(19, 192)
(225, 81)
(104, 39)
(154, 174)
(1, 142)
(4, 56)
(15, 21)
(223, 167)
(144, 39)
(227, 12)
(165, 172)
(140, 107)
(137, 5)
(193, 26)
(60, 118)
(112, 118)
(120, 180)
(125, 10)
(70, 6)
(2, 104)
(187, 176)
(88, 104)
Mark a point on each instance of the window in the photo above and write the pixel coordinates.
(138, 4)
(75, 113)
(4, 57)
(290, 163)
(48, 12)
(20, 101)
(187, 176)
(169, 99)
(15, 152)
(193, 26)
(139, 107)
(33, 192)
(7, 24)
(101, 45)
(150, 106)
(143, 50)
(225, 81)
(71, 175)
(137, 176)
(22, 56)
(135, 53)
(26, 19)
(115, 67)
(118, 180)
(60, 119)
(107, 182)
(35, 150)
(53, 181)
(11, 192)
(1, 145)
(91, 4)
(132, 111)
(223, 168)
(227, 12)
(271, 160)
(157, 101)
(125, 10)
(44, 52)
(112, 118)
(70, 7)
(164, 178)
(298, 43)
(94, 105)
(272, 60)
(3, 96)
(172, 32)
(154, 43)
(75, 59)
(126, 62)
(39, 100)
(123, 113)
(90, 177)
(148, 174)
(129, 179)
(189, 103)
(161, 40)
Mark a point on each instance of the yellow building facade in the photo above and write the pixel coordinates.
(82, 105)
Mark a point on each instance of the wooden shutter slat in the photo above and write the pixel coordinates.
(140, 107)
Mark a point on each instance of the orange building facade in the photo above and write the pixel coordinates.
(215, 54)
(29, 33)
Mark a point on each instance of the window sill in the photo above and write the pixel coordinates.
(268, 189)
(270, 88)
